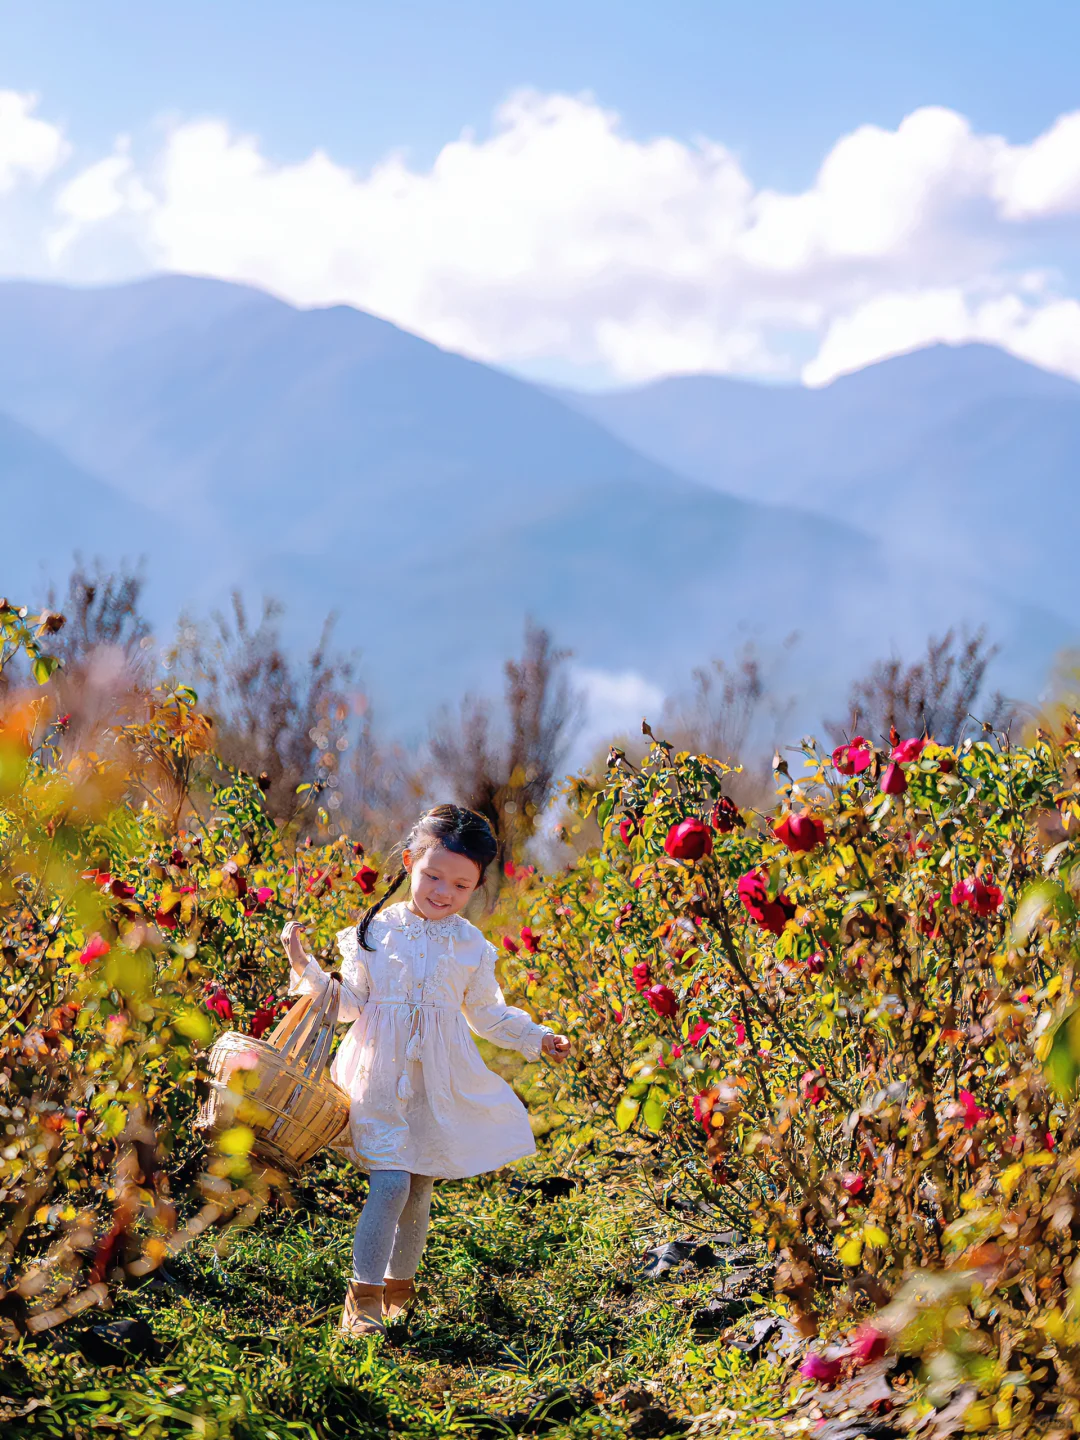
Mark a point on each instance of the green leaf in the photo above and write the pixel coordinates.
(626, 1112)
(1062, 1064)
(655, 1112)
(43, 667)
(607, 805)
(301, 788)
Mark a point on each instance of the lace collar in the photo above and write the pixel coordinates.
(416, 927)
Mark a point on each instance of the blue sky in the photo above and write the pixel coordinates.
(711, 117)
(778, 82)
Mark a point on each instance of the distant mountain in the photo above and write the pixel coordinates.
(959, 455)
(334, 460)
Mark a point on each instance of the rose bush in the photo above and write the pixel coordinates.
(871, 1049)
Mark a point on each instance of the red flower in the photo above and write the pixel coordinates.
(894, 781)
(511, 946)
(81, 1117)
(617, 1016)
(121, 889)
(509, 870)
(853, 1182)
(800, 833)
(661, 1000)
(854, 758)
(929, 923)
(690, 839)
(642, 976)
(725, 816)
(218, 1003)
(698, 1031)
(982, 897)
(529, 940)
(908, 750)
(972, 1112)
(627, 829)
(740, 1030)
(1048, 1140)
(367, 879)
(816, 963)
(676, 1052)
(816, 1367)
(771, 915)
(261, 1021)
(703, 1104)
(812, 1089)
(179, 859)
(869, 1344)
(357, 849)
(94, 949)
(167, 919)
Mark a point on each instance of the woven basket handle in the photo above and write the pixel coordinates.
(305, 1035)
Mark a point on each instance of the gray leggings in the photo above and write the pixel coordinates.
(393, 1226)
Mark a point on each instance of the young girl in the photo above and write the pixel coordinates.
(424, 1104)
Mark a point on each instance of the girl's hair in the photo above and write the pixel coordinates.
(462, 831)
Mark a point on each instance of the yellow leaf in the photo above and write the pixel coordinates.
(1044, 1157)
(236, 1141)
(41, 1215)
(1054, 986)
(1009, 1179)
(875, 1237)
(851, 1251)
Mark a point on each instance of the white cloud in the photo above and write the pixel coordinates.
(30, 149)
(559, 238)
(615, 703)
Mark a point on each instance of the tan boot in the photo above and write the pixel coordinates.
(398, 1297)
(362, 1314)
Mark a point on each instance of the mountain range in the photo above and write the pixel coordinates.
(331, 459)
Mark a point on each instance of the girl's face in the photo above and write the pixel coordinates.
(442, 882)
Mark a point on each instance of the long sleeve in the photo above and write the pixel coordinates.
(354, 980)
(490, 1017)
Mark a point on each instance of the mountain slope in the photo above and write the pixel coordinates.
(334, 460)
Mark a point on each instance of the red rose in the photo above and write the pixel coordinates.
(698, 1032)
(81, 1117)
(908, 750)
(816, 963)
(812, 1089)
(511, 946)
(972, 1112)
(661, 1000)
(509, 869)
(894, 781)
(358, 849)
(167, 919)
(642, 976)
(627, 829)
(94, 949)
(800, 833)
(121, 889)
(853, 1182)
(261, 1022)
(367, 879)
(529, 940)
(854, 758)
(980, 896)
(725, 816)
(690, 839)
(703, 1104)
(771, 915)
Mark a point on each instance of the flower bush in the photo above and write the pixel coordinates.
(851, 1027)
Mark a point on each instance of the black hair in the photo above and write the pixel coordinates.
(461, 831)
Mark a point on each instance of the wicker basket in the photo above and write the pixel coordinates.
(279, 1087)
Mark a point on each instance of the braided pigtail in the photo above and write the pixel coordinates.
(373, 910)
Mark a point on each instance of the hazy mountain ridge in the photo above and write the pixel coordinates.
(337, 461)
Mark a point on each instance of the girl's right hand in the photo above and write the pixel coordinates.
(294, 946)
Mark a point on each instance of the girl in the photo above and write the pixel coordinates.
(424, 1104)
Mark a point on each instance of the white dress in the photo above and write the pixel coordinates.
(422, 1098)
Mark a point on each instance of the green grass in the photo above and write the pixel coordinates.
(534, 1315)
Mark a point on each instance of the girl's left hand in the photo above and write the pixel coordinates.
(557, 1046)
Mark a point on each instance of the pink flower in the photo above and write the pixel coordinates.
(618, 1016)
(510, 946)
(698, 1031)
(661, 1000)
(509, 869)
(869, 1344)
(642, 976)
(690, 839)
(676, 1052)
(529, 940)
(908, 750)
(854, 758)
(816, 1367)
(264, 895)
(218, 1003)
(972, 1112)
(816, 963)
(94, 949)
(853, 1182)
(813, 1092)
(982, 897)
(800, 833)
(894, 781)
